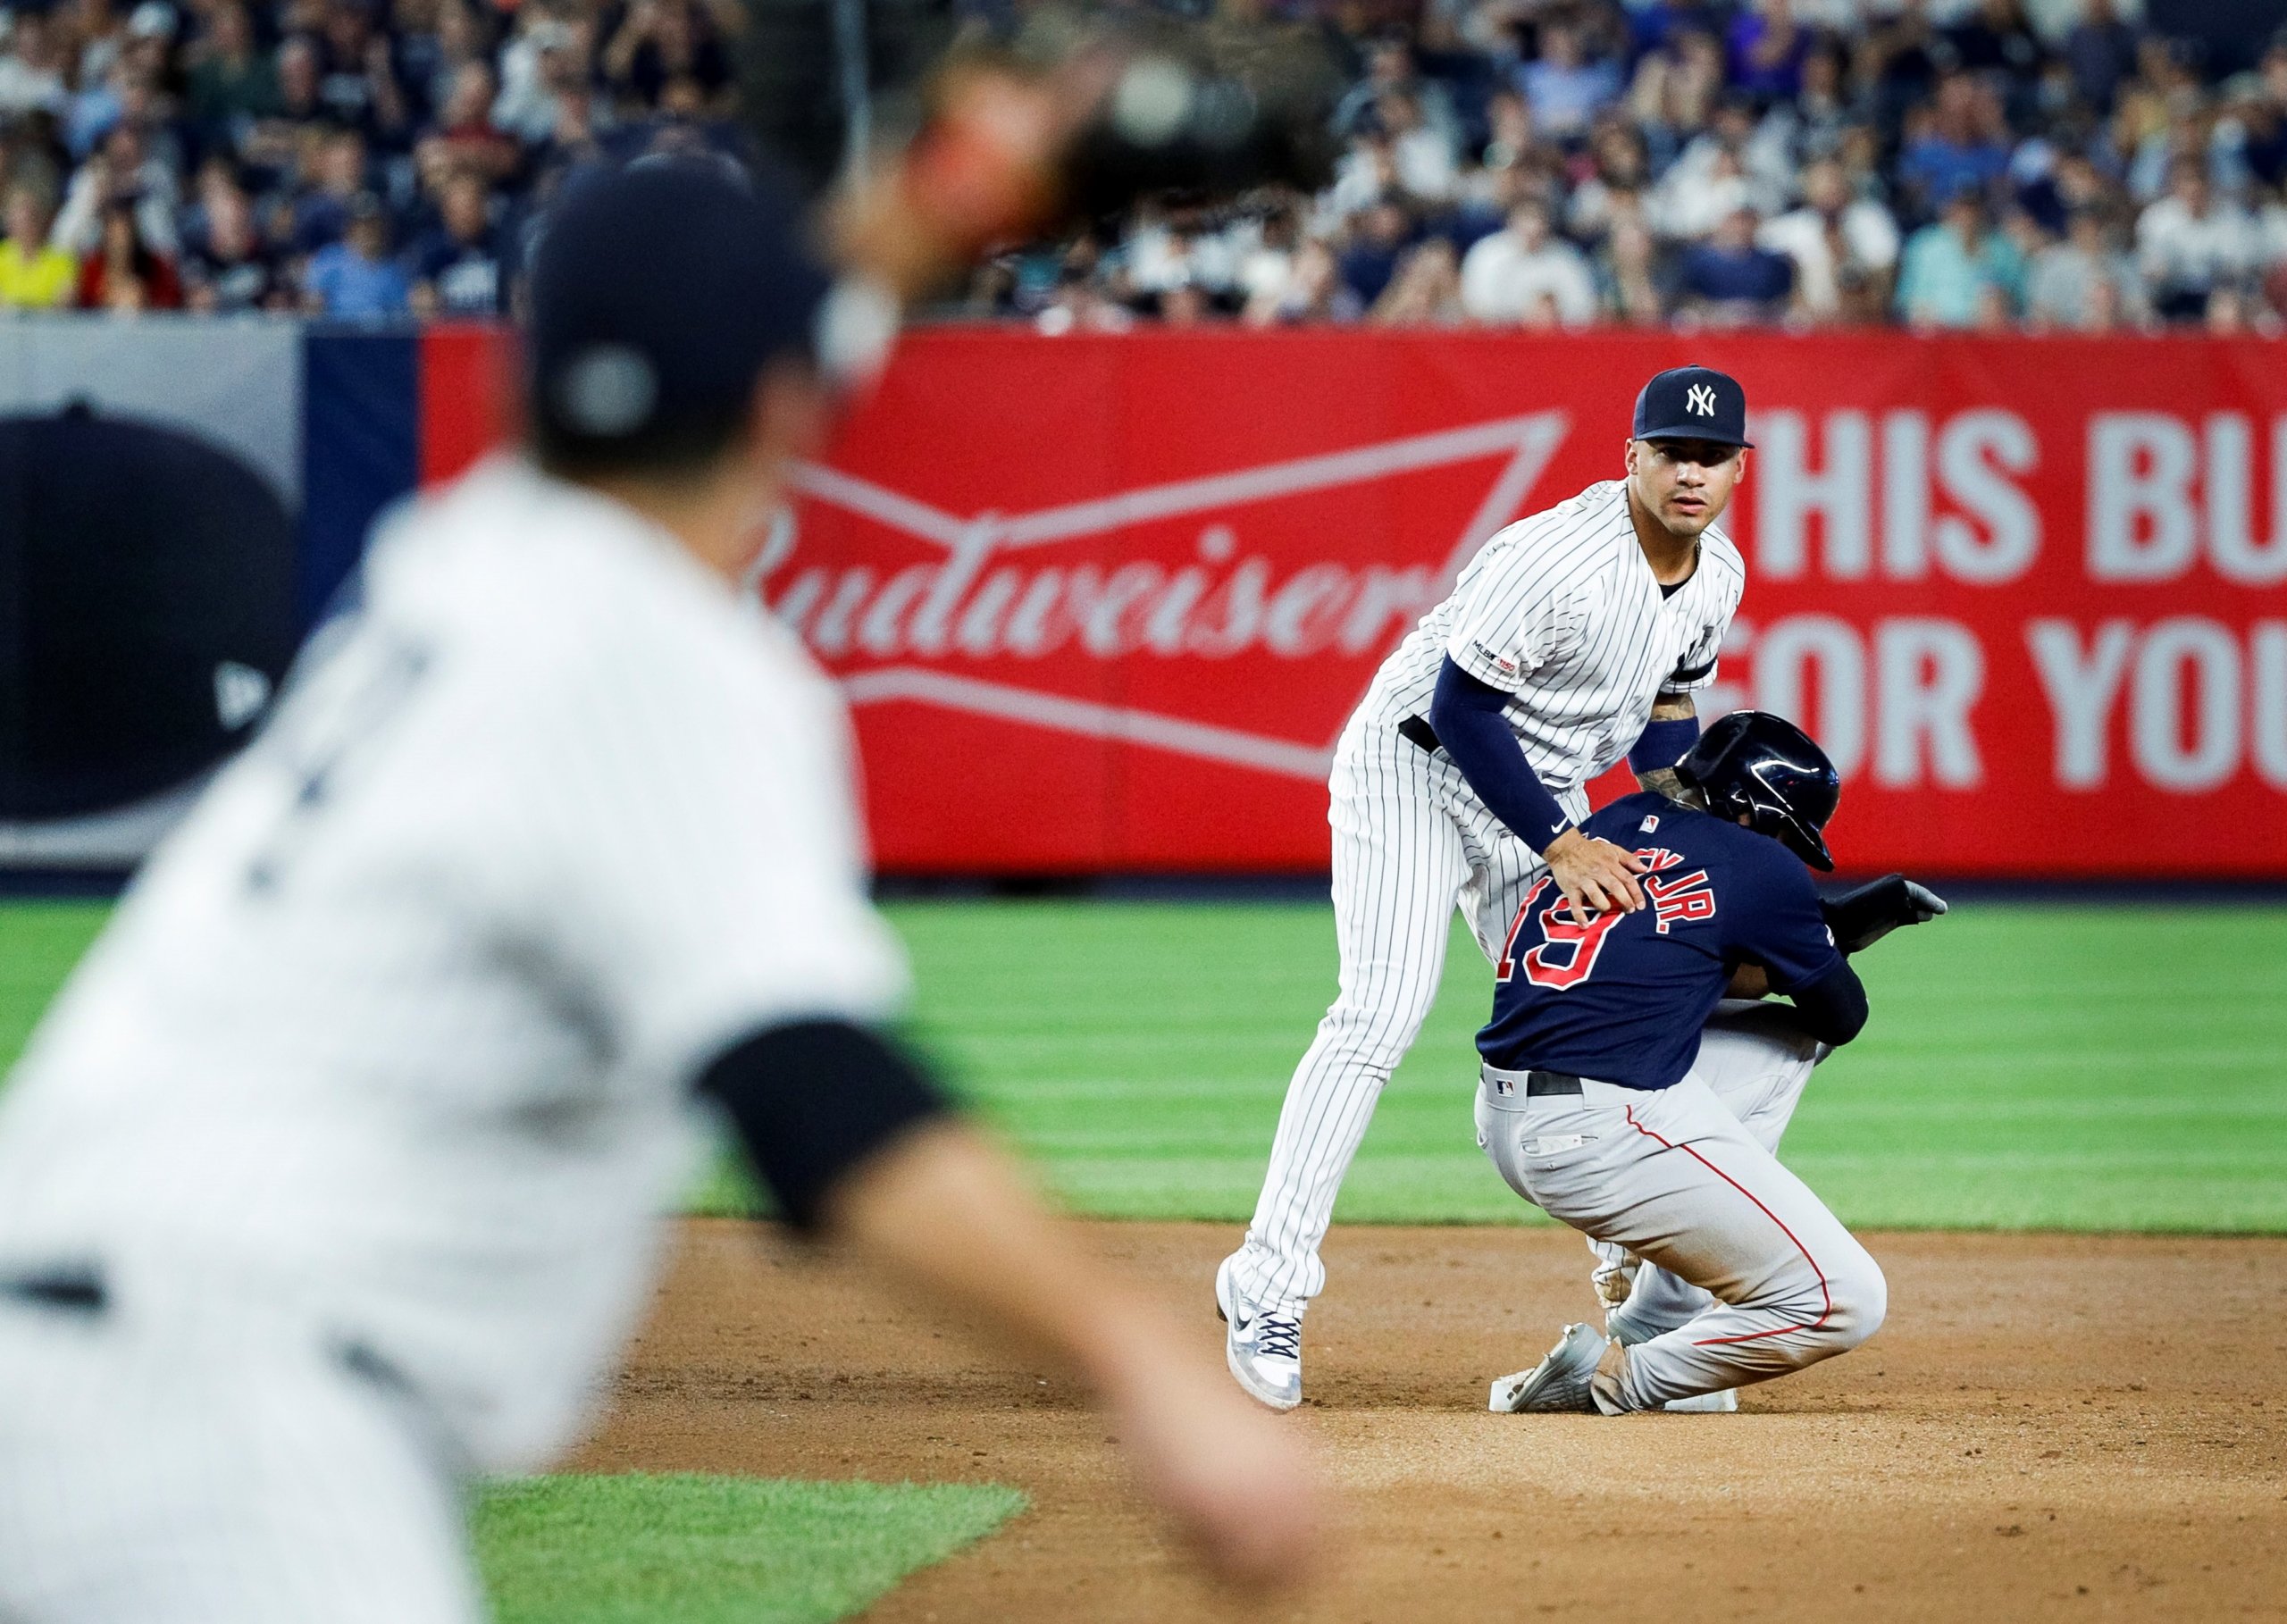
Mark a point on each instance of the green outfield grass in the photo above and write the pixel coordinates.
(683, 1549)
(2046, 1067)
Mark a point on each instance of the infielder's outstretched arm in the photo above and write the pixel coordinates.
(1468, 717)
(855, 1140)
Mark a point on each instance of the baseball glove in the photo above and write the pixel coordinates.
(1862, 917)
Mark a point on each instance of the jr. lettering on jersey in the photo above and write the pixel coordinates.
(1675, 896)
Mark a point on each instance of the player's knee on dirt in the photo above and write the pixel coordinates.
(1859, 1297)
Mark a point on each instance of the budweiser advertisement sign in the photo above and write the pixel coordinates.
(1103, 604)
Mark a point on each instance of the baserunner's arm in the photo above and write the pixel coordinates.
(1833, 1008)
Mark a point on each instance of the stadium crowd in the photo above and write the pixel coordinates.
(1981, 164)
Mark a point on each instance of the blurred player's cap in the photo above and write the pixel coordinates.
(659, 294)
(1693, 403)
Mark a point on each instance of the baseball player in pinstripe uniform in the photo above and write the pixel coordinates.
(329, 1180)
(1574, 637)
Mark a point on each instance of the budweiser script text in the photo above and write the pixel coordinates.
(1217, 605)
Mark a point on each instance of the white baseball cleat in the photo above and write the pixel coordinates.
(1264, 1349)
(1560, 1383)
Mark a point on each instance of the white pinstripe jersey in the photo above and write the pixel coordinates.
(1561, 610)
(399, 1028)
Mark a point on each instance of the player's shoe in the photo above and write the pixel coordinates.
(1264, 1349)
(1561, 1384)
(1628, 1333)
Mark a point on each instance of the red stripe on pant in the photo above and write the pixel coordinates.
(1827, 1295)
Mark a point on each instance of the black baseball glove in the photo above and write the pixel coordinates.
(1862, 917)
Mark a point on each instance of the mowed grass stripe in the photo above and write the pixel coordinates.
(2030, 1066)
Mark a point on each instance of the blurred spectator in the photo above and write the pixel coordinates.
(1622, 170)
(35, 275)
(2085, 283)
(1957, 270)
(1268, 264)
(1997, 38)
(1959, 143)
(1767, 50)
(1832, 236)
(125, 275)
(1692, 203)
(1313, 293)
(1422, 154)
(660, 40)
(1629, 275)
(1369, 262)
(1563, 85)
(121, 171)
(335, 182)
(549, 57)
(355, 279)
(458, 268)
(1523, 273)
(1425, 292)
(2101, 52)
(233, 84)
(31, 67)
(465, 137)
(227, 268)
(1729, 281)
(2191, 244)
(357, 83)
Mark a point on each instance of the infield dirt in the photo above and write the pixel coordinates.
(2050, 1427)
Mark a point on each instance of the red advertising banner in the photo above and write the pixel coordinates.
(1103, 604)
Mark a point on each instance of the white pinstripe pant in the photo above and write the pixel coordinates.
(1411, 841)
(218, 1465)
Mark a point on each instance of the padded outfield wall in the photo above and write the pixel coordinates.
(1110, 598)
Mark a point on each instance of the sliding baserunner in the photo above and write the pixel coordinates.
(1590, 1106)
(1575, 635)
(1756, 1056)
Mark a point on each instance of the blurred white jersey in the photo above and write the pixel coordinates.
(396, 1035)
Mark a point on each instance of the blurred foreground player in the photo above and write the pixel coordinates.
(330, 1179)
(1590, 1106)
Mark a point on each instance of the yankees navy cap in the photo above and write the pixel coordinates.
(659, 294)
(1693, 403)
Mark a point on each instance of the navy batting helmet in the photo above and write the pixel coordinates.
(1763, 767)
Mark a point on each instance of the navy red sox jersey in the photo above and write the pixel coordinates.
(1621, 998)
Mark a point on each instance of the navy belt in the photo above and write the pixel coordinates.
(1417, 731)
(1551, 1083)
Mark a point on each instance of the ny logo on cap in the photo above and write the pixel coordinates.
(1700, 400)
